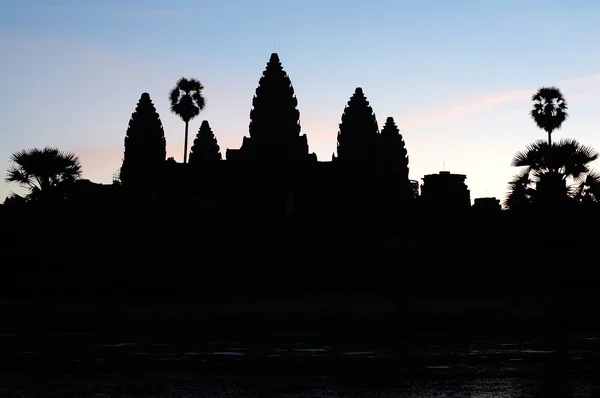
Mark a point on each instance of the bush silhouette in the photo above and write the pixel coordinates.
(145, 146)
(205, 148)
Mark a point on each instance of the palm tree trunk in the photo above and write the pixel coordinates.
(549, 136)
(185, 143)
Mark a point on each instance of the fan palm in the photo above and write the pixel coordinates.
(549, 110)
(559, 171)
(43, 171)
(567, 157)
(186, 102)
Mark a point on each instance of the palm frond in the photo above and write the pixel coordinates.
(574, 158)
(549, 108)
(534, 155)
(588, 190)
(194, 85)
(184, 85)
(199, 100)
(519, 191)
(521, 179)
(39, 170)
(174, 97)
(16, 174)
(186, 99)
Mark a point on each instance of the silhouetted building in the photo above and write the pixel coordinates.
(272, 177)
(274, 122)
(205, 150)
(145, 147)
(358, 134)
(445, 190)
(393, 159)
(487, 204)
(89, 199)
(414, 188)
(356, 160)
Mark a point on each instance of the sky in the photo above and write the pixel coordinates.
(457, 76)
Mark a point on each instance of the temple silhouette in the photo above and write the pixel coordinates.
(355, 223)
(273, 177)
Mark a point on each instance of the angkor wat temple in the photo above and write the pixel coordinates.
(273, 175)
(271, 201)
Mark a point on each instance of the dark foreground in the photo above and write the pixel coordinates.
(160, 288)
(188, 364)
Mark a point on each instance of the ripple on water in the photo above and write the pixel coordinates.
(310, 349)
(537, 351)
(359, 353)
(446, 360)
(229, 353)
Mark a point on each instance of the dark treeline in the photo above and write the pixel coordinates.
(270, 217)
(105, 254)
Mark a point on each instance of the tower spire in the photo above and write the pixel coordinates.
(274, 118)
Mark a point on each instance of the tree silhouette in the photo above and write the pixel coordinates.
(549, 110)
(394, 160)
(559, 171)
(45, 173)
(520, 192)
(14, 200)
(145, 145)
(205, 147)
(358, 134)
(588, 191)
(186, 102)
(275, 119)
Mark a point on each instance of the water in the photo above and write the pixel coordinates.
(117, 365)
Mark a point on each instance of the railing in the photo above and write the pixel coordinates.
(116, 177)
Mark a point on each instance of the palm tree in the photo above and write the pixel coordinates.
(186, 102)
(43, 171)
(558, 171)
(520, 191)
(549, 110)
(588, 192)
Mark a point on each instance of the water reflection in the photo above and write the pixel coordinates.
(426, 366)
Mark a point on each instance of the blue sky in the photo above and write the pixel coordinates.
(457, 76)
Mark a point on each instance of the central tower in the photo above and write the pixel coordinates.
(275, 120)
